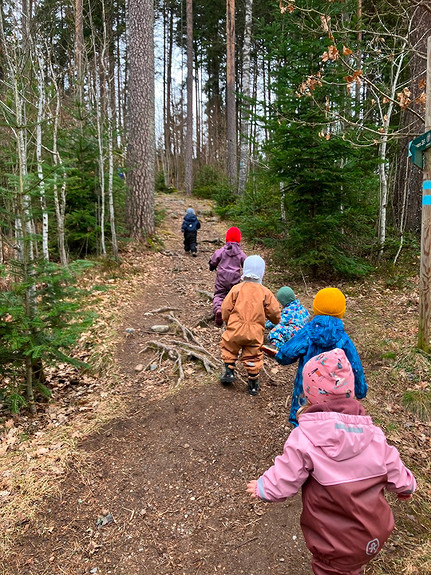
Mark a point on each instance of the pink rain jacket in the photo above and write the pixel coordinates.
(343, 463)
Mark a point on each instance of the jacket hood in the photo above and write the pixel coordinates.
(232, 249)
(253, 268)
(339, 428)
(326, 330)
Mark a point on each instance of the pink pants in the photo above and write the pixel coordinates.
(320, 568)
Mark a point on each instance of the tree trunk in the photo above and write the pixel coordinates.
(40, 122)
(189, 119)
(384, 163)
(408, 174)
(141, 138)
(59, 200)
(230, 95)
(110, 87)
(245, 118)
(198, 113)
(79, 50)
(168, 102)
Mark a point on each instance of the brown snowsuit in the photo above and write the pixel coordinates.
(244, 311)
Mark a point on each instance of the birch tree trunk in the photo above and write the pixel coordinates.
(59, 198)
(246, 90)
(16, 54)
(111, 182)
(99, 77)
(141, 138)
(189, 119)
(39, 160)
(110, 98)
(383, 165)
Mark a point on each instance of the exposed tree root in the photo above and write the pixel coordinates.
(176, 349)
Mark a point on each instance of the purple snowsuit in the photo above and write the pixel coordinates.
(228, 261)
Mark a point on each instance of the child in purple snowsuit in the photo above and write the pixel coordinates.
(228, 262)
(343, 463)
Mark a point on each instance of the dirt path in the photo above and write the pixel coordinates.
(161, 489)
(169, 478)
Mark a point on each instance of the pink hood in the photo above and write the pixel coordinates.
(346, 415)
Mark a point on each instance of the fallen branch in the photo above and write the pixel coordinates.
(161, 309)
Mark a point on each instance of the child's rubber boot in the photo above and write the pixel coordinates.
(253, 384)
(229, 375)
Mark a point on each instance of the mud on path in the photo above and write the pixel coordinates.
(161, 490)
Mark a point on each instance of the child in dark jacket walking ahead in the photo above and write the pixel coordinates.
(293, 317)
(244, 310)
(324, 332)
(343, 464)
(228, 261)
(190, 227)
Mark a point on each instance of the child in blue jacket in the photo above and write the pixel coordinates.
(323, 333)
(190, 227)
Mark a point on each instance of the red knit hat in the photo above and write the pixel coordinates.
(233, 235)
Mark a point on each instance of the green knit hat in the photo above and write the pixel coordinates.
(285, 295)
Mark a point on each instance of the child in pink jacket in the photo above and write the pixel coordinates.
(343, 464)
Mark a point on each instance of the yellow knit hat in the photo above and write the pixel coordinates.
(329, 301)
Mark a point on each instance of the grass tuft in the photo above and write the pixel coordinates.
(418, 402)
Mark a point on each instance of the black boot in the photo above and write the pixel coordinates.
(229, 375)
(253, 384)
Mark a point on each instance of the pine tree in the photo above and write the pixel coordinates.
(327, 206)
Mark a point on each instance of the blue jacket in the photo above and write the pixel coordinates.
(322, 333)
(293, 317)
(190, 223)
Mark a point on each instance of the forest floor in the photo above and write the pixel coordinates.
(141, 468)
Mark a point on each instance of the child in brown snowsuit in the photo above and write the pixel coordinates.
(244, 310)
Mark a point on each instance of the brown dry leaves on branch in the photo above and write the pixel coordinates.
(309, 85)
(287, 7)
(404, 98)
(331, 54)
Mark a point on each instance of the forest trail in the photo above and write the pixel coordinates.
(162, 489)
(172, 473)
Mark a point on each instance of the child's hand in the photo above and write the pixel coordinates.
(404, 496)
(251, 488)
(269, 350)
